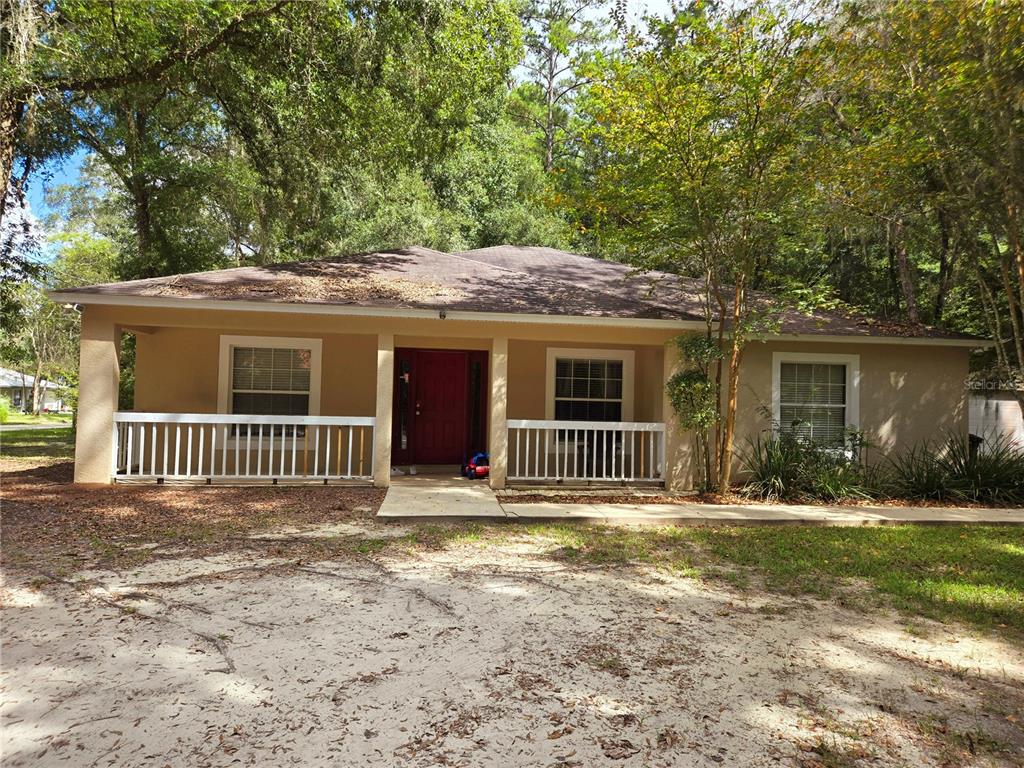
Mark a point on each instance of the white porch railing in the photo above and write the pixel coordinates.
(585, 451)
(226, 447)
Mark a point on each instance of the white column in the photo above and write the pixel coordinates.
(498, 443)
(98, 373)
(385, 399)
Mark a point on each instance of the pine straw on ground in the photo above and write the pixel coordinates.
(50, 522)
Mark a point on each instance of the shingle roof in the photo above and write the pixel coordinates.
(507, 279)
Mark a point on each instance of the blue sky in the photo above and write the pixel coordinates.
(52, 175)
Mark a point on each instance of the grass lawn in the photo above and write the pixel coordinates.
(973, 574)
(17, 417)
(47, 445)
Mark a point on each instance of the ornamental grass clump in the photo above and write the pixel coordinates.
(989, 473)
(782, 466)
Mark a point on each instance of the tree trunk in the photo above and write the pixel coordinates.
(945, 265)
(143, 222)
(549, 104)
(11, 111)
(894, 283)
(1014, 309)
(36, 405)
(719, 366)
(899, 250)
(735, 356)
(20, 19)
(1016, 249)
(991, 312)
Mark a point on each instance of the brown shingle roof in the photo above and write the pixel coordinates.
(508, 279)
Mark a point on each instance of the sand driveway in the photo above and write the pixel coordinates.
(479, 655)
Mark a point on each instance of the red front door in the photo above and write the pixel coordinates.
(439, 385)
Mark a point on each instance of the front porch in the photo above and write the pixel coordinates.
(201, 448)
(296, 399)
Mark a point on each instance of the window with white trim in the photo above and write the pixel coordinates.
(588, 389)
(270, 381)
(813, 401)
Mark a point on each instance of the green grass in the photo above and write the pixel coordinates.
(17, 417)
(55, 443)
(969, 573)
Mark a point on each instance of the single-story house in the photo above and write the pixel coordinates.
(554, 363)
(17, 388)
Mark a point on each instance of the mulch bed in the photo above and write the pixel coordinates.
(45, 513)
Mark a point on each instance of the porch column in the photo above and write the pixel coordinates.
(385, 395)
(679, 469)
(498, 442)
(97, 397)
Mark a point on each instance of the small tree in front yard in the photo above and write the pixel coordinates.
(698, 162)
(694, 398)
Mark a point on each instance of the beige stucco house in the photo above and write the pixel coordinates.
(342, 370)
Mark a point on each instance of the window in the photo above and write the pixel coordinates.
(816, 397)
(273, 376)
(270, 381)
(588, 390)
(590, 385)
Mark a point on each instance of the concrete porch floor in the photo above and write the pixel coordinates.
(446, 496)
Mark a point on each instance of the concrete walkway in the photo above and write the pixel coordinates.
(760, 514)
(441, 497)
(22, 427)
(426, 496)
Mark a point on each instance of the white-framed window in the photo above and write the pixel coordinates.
(269, 375)
(589, 384)
(816, 396)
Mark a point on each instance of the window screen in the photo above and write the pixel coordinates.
(588, 390)
(812, 401)
(270, 382)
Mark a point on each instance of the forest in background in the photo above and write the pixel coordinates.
(863, 154)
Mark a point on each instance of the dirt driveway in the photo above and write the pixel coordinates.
(466, 650)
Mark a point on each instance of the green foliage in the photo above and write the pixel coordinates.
(5, 409)
(917, 473)
(954, 471)
(248, 150)
(775, 465)
(694, 397)
(782, 466)
(992, 473)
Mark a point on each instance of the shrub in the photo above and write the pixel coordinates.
(784, 467)
(955, 471)
(5, 409)
(837, 478)
(775, 466)
(917, 474)
(993, 474)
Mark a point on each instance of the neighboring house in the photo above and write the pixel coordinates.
(995, 414)
(555, 363)
(17, 387)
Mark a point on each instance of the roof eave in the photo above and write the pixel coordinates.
(71, 297)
